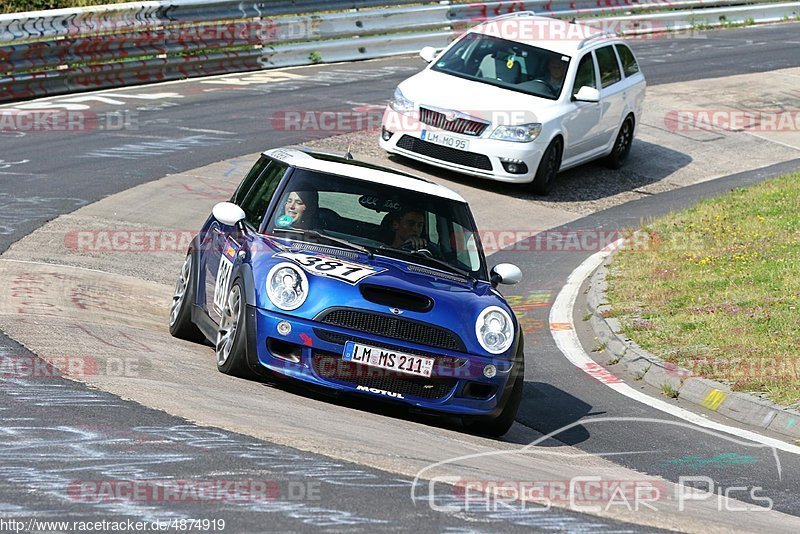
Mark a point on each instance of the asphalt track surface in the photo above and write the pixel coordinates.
(57, 432)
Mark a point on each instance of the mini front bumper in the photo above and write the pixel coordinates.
(484, 157)
(312, 352)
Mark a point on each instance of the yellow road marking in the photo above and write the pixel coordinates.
(714, 399)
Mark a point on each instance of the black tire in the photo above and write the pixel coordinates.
(231, 344)
(622, 145)
(500, 424)
(180, 312)
(548, 168)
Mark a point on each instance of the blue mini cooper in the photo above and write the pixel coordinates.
(359, 279)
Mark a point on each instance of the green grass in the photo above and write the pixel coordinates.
(719, 293)
(669, 391)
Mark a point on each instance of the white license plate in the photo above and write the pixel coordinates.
(387, 359)
(444, 140)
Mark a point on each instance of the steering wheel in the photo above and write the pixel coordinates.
(550, 87)
(409, 246)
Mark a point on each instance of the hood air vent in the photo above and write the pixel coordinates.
(396, 298)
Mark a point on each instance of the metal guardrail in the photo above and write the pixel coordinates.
(67, 50)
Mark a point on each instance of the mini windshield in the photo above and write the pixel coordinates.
(385, 220)
(507, 64)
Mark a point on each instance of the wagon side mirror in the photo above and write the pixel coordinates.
(428, 54)
(587, 94)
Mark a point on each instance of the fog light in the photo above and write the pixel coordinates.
(489, 371)
(477, 390)
(514, 166)
(284, 328)
(386, 134)
(284, 350)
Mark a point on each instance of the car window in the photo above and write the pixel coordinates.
(433, 228)
(507, 64)
(585, 74)
(347, 205)
(256, 201)
(466, 245)
(249, 180)
(609, 68)
(629, 65)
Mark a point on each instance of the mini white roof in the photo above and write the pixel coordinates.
(304, 160)
(560, 36)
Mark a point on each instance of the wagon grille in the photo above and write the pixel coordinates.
(459, 125)
(393, 327)
(445, 153)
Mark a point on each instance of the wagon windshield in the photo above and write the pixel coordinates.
(506, 64)
(410, 225)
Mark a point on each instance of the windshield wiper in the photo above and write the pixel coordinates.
(313, 233)
(441, 263)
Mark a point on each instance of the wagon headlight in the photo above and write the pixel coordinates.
(495, 330)
(287, 286)
(524, 133)
(400, 103)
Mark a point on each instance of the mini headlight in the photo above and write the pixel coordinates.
(287, 286)
(524, 133)
(400, 103)
(495, 330)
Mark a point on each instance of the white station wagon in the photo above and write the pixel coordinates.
(517, 99)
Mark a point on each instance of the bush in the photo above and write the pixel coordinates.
(16, 6)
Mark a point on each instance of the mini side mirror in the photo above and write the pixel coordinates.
(428, 54)
(587, 94)
(505, 273)
(227, 213)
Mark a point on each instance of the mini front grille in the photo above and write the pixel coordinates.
(445, 153)
(459, 125)
(392, 327)
(330, 366)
